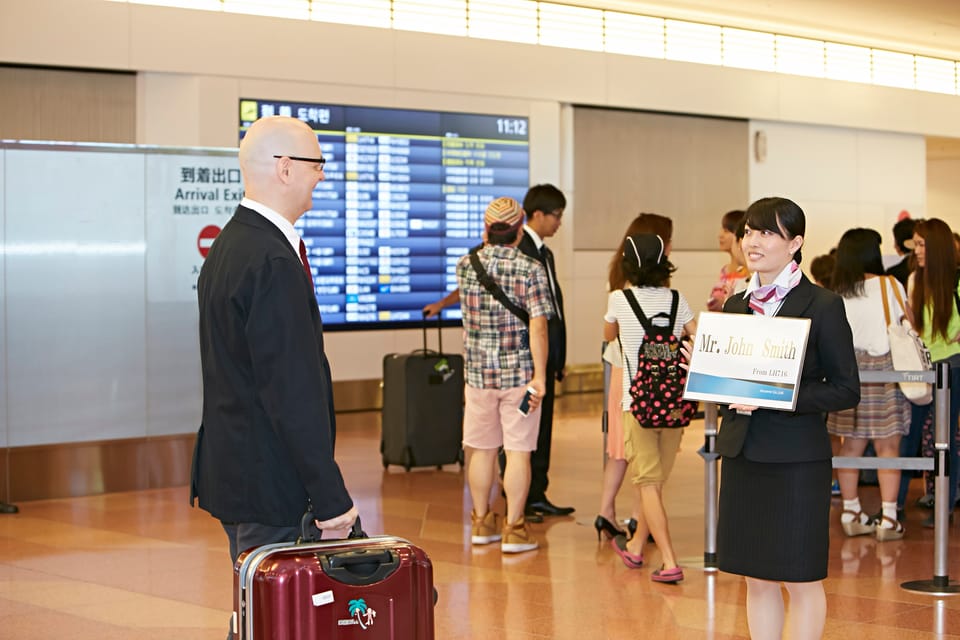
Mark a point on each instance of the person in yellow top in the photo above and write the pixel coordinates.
(934, 299)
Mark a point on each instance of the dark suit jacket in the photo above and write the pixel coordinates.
(267, 437)
(829, 381)
(556, 326)
(901, 270)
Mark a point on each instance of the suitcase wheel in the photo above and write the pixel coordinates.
(406, 462)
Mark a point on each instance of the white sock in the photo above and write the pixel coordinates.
(890, 511)
(853, 507)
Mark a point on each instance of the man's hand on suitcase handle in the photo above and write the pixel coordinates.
(432, 309)
(344, 521)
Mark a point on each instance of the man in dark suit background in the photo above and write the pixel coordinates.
(265, 446)
(543, 205)
(903, 243)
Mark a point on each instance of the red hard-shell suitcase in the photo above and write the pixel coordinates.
(370, 588)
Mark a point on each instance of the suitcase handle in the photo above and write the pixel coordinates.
(309, 532)
(359, 568)
(426, 350)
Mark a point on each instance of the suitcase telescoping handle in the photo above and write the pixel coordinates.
(310, 533)
(426, 350)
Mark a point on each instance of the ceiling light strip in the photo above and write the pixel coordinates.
(570, 26)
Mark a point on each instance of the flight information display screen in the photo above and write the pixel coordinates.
(403, 200)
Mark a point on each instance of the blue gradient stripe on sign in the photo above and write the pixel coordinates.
(703, 383)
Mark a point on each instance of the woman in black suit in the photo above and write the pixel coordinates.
(775, 483)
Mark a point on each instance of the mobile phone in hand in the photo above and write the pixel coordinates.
(524, 407)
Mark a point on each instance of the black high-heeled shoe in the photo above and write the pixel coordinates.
(632, 526)
(607, 527)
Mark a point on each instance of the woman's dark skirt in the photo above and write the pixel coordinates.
(774, 519)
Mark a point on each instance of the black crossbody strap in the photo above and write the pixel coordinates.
(494, 289)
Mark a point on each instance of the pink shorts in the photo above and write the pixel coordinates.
(615, 435)
(491, 420)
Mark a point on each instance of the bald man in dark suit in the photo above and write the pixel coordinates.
(264, 451)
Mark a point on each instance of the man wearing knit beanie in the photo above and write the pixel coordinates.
(506, 363)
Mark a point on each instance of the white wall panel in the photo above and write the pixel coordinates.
(173, 264)
(842, 178)
(819, 162)
(75, 303)
(888, 169)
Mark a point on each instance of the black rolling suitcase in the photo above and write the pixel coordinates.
(422, 420)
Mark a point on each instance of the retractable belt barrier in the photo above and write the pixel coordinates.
(940, 584)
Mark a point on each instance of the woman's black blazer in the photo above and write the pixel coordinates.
(829, 381)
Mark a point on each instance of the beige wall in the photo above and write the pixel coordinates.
(943, 180)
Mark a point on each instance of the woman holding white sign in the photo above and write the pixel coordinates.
(774, 518)
(871, 300)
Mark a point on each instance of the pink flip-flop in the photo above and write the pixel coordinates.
(632, 560)
(671, 576)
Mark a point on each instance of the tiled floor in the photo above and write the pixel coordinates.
(146, 565)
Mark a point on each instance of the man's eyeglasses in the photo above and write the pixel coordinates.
(316, 161)
(556, 213)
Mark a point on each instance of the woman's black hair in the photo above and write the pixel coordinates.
(858, 254)
(779, 216)
(935, 283)
(649, 274)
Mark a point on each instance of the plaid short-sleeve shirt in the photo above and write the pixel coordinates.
(497, 343)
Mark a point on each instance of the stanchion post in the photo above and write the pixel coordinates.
(711, 483)
(941, 489)
(940, 584)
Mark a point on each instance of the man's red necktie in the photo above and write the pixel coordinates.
(306, 263)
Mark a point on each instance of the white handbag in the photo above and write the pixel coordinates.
(906, 348)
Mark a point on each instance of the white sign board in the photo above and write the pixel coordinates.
(747, 359)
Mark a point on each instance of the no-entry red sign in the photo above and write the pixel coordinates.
(205, 239)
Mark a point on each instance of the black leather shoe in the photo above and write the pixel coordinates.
(531, 515)
(546, 508)
(928, 522)
(8, 508)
